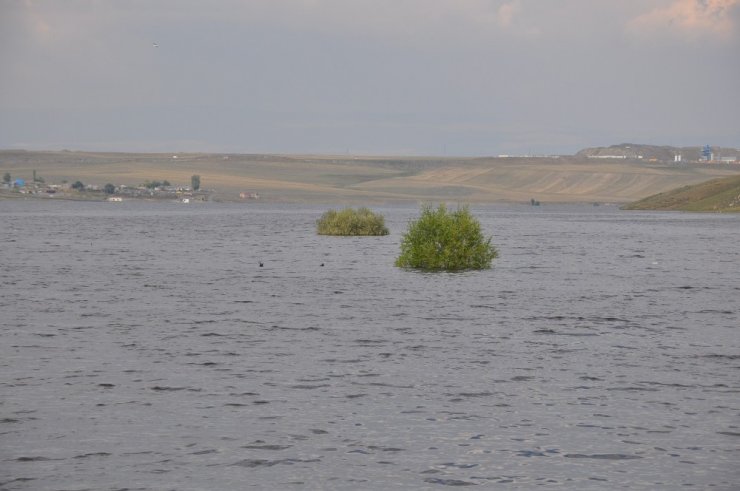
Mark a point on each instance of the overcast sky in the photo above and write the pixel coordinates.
(409, 77)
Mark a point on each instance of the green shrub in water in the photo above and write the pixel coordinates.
(349, 221)
(442, 240)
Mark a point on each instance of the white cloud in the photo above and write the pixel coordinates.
(507, 12)
(690, 19)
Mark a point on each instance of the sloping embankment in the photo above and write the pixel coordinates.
(717, 195)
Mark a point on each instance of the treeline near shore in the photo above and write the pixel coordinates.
(363, 179)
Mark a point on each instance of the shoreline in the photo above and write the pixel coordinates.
(355, 180)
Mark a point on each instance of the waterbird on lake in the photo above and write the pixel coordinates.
(261, 264)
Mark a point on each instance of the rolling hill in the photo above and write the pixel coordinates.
(364, 179)
(717, 195)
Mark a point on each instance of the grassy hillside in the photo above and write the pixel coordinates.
(365, 180)
(717, 195)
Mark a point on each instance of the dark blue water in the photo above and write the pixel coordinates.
(143, 347)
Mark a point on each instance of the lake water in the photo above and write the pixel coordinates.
(143, 347)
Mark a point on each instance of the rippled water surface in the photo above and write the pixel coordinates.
(144, 347)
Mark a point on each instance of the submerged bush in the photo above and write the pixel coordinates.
(349, 221)
(442, 240)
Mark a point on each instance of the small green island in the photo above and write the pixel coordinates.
(351, 222)
(442, 240)
(717, 196)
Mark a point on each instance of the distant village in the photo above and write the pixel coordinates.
(653, 154)
(38, 187)
(159, 190)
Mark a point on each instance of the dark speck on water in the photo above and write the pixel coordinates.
(601, 351)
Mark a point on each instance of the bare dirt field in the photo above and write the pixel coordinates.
(360, 179)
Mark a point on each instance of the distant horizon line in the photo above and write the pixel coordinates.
(348, 153)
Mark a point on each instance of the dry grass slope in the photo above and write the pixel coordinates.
(717, 195)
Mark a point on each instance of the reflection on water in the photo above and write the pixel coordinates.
(144, 347)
